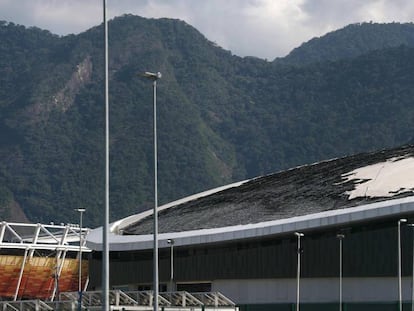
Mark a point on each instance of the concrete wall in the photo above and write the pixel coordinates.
(262, 291)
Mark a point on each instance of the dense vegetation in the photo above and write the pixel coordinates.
(351, 41)
(221, 118)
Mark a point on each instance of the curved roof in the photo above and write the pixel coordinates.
(324, 186)
(343, 190)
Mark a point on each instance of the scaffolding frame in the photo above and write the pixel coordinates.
(32, 237)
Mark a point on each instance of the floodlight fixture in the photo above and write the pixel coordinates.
(152, 76)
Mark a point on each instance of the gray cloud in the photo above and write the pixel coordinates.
(329, 15)
(262, 28)
(60, 17)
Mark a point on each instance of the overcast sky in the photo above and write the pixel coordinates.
(261, 28)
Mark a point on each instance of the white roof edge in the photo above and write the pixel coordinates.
(274, 227)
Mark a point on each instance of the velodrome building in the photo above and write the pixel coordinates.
(351, 216)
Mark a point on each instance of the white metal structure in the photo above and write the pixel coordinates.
(40, 236)
(60, 239)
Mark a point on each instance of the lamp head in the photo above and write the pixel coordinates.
(152, 76)
(402, 220)
(170, 241)
(81, 210)
(299, 234)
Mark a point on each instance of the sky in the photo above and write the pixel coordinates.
(260, 28)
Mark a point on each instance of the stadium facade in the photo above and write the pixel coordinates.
(40, 261)
(242, 239)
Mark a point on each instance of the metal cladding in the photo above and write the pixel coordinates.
(38, 276)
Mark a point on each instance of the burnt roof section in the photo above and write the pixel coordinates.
(299, 191)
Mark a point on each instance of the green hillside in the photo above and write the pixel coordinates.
(221, 118)
(351, 41)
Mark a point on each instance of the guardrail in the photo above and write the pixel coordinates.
(127, 300)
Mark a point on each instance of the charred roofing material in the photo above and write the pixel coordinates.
(300, 191)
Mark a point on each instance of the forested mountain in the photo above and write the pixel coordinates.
(351, 41)
(221, 118)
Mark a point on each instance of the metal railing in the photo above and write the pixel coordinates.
(127, 300)
(26, 305)
(214, 299)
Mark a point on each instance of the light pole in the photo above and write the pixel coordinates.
(154, 77)
(340, 237)
(412, 278)
(402, 220)
(299, 250)
(105, 227)
(171, 242)
(81, 211)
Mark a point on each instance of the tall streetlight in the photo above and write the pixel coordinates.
(105, 228)
(402, 220)
(340, 237)
(412, 278)
(81, 211)
(171, 242)
(299, 251)
(154, 77)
